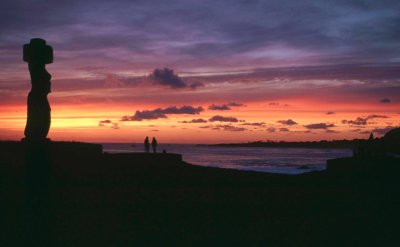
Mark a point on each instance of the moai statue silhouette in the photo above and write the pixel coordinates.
(37, 54)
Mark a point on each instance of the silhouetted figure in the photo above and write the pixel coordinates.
(154, 145)
(371, 137)
(37, 54)
(147, 144)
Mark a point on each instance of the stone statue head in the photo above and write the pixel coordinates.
(37, 51)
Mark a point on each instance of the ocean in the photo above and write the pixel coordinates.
(274, 160)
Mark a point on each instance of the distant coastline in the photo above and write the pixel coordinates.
(386, 144)
(338, 144)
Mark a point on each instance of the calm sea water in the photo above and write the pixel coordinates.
(276, 160)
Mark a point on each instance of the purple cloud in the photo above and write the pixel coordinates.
(363, 120)
(323, 126)
(235, 104)
(167, 77)
(219, 107)
(332, 131)
(287, 122)
(198, 120)
(228, 127)
(385, 100)
(224, 107)
(105, 121)
(357, 121)
(108, 123)
(254, 124)
(162, 113)
(218, 118)
(195, 85)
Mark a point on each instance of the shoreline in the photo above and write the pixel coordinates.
(290, 161)
(335, 144)
(117, 199)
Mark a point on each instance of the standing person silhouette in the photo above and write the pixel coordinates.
(146, 145)
(154, 145)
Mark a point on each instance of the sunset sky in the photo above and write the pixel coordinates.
(206, 71)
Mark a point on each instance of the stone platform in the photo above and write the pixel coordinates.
(13, 153)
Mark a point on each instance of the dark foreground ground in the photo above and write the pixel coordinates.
(81, 199)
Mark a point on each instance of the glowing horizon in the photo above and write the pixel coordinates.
(79, 114)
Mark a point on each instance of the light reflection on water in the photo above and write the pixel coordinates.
(277, 160)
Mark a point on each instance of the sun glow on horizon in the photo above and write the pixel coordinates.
(252, 122)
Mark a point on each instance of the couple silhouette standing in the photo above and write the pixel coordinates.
(153, 144)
